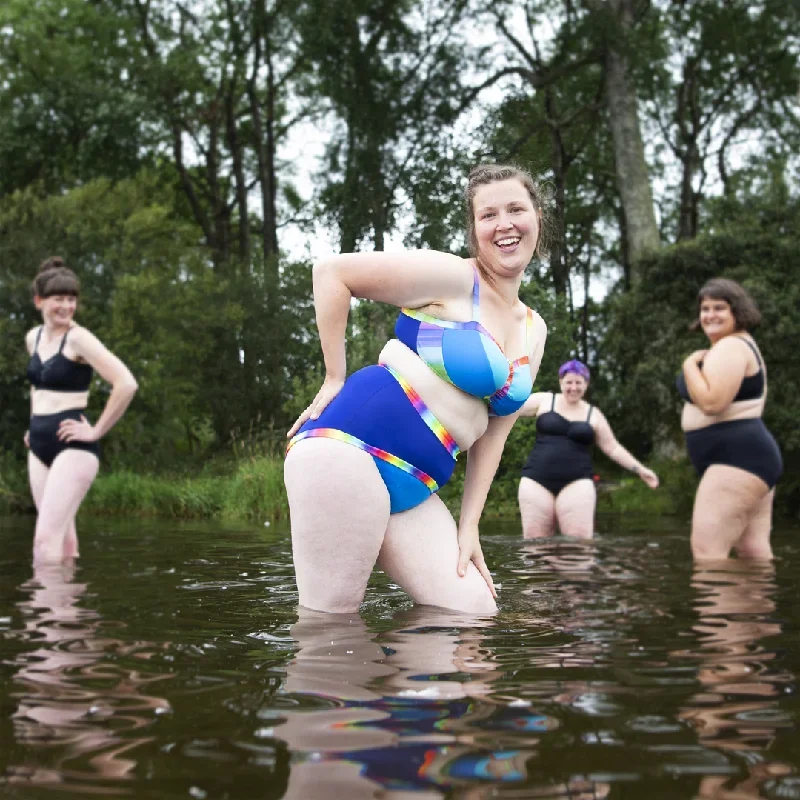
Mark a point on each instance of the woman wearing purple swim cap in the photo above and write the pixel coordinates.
(556, 488)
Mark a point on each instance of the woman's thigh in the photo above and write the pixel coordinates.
(537, 509)
(575, 507)
(37, 478)
(70, 476)
(339, 509)
(755, 541)
(420, 553)
(726, 500)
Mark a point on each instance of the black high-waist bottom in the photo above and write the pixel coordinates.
(43, 436)
(743, 443)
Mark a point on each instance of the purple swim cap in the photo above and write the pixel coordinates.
(578, 367)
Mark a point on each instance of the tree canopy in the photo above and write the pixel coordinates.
(190, 160)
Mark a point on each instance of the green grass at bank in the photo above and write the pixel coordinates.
(251, 489)
(248, 489)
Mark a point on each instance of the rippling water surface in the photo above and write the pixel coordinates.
(174, 663)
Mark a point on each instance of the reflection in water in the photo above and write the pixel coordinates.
(77, 709)
(408, 711)
(737, 710)
(611, 671)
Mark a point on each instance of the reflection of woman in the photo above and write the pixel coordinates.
(367, 455)
(64, 450)
(725, 390)
(737, 710)
(556, 488)
(382, 716)
(71, 682)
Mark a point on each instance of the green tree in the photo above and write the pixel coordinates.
(752, 238)
(731, 72)
(67, 112)
(148, 292)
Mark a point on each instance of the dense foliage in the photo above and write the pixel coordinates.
(189, 160)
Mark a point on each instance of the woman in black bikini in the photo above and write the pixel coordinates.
(64, 447)
(725, 390)
(556, 488)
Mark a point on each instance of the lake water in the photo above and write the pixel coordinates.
(173, 663)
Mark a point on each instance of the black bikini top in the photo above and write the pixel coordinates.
(551, 423)
(58, 373)
(751, 388)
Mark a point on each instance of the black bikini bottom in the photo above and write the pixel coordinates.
(742, 443)
(43, 435)
(555, 483)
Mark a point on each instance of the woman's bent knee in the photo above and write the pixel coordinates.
(705, 549)
(477, 604)
(755, 552)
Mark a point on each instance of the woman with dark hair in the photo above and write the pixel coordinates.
(368, 455)
(739, 463)
(556, 488)
(64, 447)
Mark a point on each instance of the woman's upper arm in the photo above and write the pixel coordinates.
(531, 406)
(606, 440)
(100, 358)
(499, 427)
(724, 367)
(538, 341)
(30, 340)
(412, 279)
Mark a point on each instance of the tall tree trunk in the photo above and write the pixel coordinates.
(631, 167)
(624, 250)
(587, 273)
(688, 151)
(264, 128)
(559, 268)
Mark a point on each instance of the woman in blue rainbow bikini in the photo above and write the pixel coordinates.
(367, 456)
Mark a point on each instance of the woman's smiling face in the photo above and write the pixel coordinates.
(58, 309)
(573, 386)
(716, 318)
(506, 226)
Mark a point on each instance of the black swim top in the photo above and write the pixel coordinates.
(551, 423)
(751, 388)
(58, 373)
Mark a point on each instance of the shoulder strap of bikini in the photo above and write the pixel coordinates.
(589, 415)
(553, 403)
(38, 336)
(476, 295)
(754, 349)
(64, 339)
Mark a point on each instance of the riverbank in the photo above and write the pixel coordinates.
(251, 490)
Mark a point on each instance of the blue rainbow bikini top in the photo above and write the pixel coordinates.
(466, 355)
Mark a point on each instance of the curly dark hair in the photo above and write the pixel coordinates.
(743, 307)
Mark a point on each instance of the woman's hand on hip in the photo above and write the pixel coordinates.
(77, 430)
(469, 549)
(330, 388)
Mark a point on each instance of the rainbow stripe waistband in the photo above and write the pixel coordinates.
(375, 452)
(426, 415)
(438, 430)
